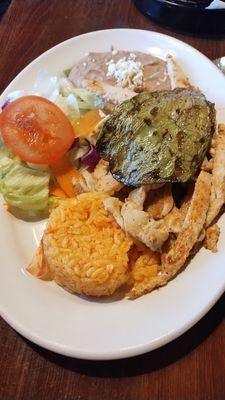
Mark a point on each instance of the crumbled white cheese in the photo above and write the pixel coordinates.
(127, 71)
(114, 51)
(132, 56)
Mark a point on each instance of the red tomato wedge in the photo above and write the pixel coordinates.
(36, 130)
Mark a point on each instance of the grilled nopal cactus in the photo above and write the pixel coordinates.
(158, 137)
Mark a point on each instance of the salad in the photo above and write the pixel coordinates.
(44, 142)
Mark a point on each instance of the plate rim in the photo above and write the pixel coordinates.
(124, 353)
(100, 31)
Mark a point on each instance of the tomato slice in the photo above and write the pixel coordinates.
(36, 130)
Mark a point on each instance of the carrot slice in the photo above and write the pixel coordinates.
(86, 123)
(57, 191)
(64, 172)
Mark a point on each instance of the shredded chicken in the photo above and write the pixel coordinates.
(136, 222)
(217, 198)
(144, 267)
(101, 180)
(38, 266)
(83, 183)
(207, 165)
(192, 227)
(114, 94)
(200, 238)
(176, 251)
(138, 196)
(93, 136)
(160, 202)
(114, 205)
(212, 147)
(175, 219)
(178, 79)
(211, 238)
(153, 283)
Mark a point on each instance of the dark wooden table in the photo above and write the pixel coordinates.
(190, 368)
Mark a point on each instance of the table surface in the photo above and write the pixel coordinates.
(191, 367)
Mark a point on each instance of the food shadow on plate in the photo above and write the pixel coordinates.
(119, 295)
(146, 363)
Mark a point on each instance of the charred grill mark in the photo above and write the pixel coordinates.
(154, 111)
(148, 121)
(180, 139)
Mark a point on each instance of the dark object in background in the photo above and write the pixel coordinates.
(185, 15)
(194, 3)
(3, 6)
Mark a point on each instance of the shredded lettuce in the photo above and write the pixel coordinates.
(47, 86)
(54, 201)
(66, 86)
(24, 188)
(39, 167)
(67, 72)
(69, 106)
(61, 91)
(87, 100)
(5, 151)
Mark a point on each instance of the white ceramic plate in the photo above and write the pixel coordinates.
(107, 329)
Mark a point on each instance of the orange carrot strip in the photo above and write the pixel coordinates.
(64, 172)
(57, 191)
(86, 123)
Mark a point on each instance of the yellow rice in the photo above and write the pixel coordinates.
(144, 265)
(86, 251)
